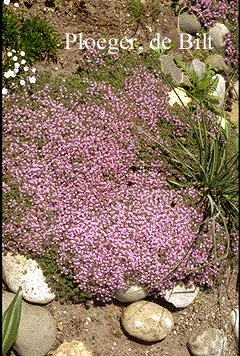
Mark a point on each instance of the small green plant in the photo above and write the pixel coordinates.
(39, 40)
(162, 50)
(135, 9)
(35, 36)
(200, 88)
(11, 321)
(10, 29)
(176, 5)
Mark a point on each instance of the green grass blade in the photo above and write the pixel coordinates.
(11, 321)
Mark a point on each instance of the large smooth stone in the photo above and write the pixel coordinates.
(198, 67)
(72, 348)
(147, 321)
(217, 33)
(131, 294)
(181, 296)
(19, 271)
(217, 61)
(208, 342)
(189, 23)
(170, 68)
(37, 329)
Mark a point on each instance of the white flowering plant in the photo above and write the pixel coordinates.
(16, 71)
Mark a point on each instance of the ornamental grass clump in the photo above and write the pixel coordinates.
(77, 189)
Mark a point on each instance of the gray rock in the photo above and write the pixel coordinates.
(170, 68)
(72, 348)
(217, 33)
(131, 294)
(181, 296)
(189, 23)
(37, 329)
(220, 90)
(208, 342)
(198, 66)
(217, 61)
(19, 271)
(147, 321)
(235, 322)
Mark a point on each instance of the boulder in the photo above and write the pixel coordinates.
(198, 66)
(147, 321)
(208, 342)
(189, 23)
(19, 271)
(37, 329)
(181, 296)
(217, 33)
(72, 348)
(131, 294)
(217, 61)
(170, 68)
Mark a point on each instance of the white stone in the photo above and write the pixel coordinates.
(208, 342)
(37, 329)
(235, 322)
(181, 296)
(147, 321)
(19, 271)
(72, 348)
(219, 92)
(217, 33)
(178, 96)
(131, 294)
(222, 121)
(198, 66)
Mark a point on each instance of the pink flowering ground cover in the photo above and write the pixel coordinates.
(76, 189)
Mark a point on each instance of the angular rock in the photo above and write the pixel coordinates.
(131, 294)
(198, 66)
(208, 342)
(170, 68)
(217, 61)
(178, 96)
(37, 329)
(189, 23)
(147, 321)
(235, 322)
(72, 348)
(220, 90)
(181, 296)
(217, 33)
(19, 271)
